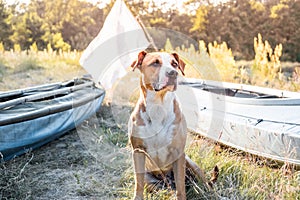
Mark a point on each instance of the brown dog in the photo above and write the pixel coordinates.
(157, 128)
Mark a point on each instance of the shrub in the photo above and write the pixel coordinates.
(223, 59)
(17, 48)
(266, 62)
(218, 64)
(2, 47)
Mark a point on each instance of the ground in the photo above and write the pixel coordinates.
(62, 169)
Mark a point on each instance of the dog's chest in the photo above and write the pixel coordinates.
(159, 131)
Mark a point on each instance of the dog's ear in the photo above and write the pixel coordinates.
(181, 64)
(137, 63)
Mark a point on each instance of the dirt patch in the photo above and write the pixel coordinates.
(65, 168)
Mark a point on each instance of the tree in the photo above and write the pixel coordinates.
(5, 28)
(285, 23)
(70, 22)
(81, 23)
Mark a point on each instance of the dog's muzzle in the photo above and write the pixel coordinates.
(172, 74)
(170, 81)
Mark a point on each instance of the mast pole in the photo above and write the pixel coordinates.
(148, 36)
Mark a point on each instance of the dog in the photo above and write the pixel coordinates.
(157, 129)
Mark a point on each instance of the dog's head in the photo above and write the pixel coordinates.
(159, 70)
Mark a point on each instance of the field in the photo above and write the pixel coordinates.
(93, 161)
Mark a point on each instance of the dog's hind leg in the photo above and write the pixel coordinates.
(191, 165)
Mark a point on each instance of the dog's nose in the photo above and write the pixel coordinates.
(172, 74)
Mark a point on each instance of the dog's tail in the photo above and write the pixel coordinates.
(200, 173)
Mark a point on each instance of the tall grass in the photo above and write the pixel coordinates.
(216, 62)
(20, 69)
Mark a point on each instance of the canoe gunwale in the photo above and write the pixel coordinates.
(47, 111)
(263, 97)
(46, 94)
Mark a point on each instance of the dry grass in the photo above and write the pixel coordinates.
(25, 69)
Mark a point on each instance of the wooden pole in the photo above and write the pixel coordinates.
(148, 36)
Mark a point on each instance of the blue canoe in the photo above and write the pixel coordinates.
(32, 117)
(261, 121)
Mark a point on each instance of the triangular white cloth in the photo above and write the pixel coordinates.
(115, 47)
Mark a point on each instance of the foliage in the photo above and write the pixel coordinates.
(168, 46)
(235, 22)
(64, 24)
(216, 62)
(265, 60)
(200, 19)
(59, 43)
(17, 48)
(223, 59)
(277, 8)
(2, 47)
(5, 29)
(257, 6)
(34, 48)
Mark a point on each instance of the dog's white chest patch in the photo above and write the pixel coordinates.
(158, 132)
(156, 114)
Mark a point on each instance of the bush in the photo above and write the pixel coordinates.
(223, 59)
(267, 61)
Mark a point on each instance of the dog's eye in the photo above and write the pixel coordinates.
(156, 63)
(174, 64)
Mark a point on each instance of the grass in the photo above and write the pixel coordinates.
(69, 168)
(25, 69)
(242, 175)
(216, 62)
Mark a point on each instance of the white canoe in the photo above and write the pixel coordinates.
(261, 121)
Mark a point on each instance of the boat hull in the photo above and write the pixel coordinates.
(30, 125)
(268, 127)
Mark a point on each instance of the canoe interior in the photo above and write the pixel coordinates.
(10, 95)
(233, 92)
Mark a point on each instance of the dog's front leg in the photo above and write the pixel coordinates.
(179, 174)
(139, 173)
